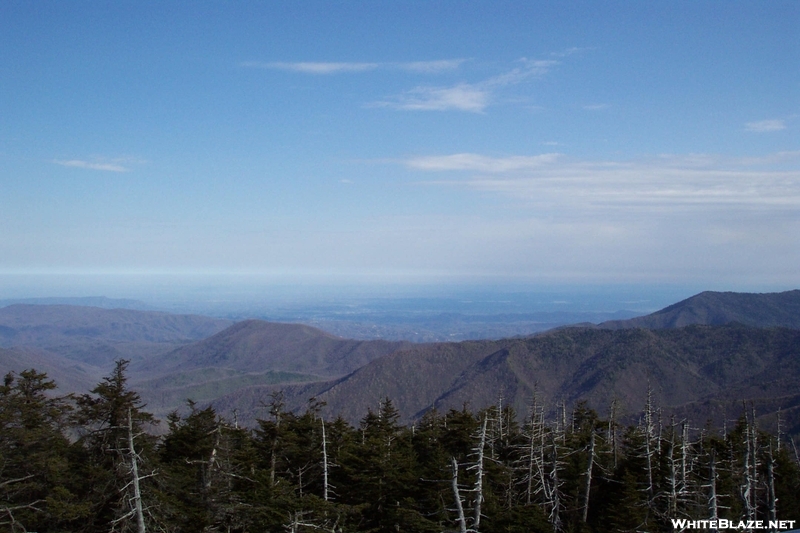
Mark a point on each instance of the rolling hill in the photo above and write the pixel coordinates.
(98, 336)
(250, 353)
(69, 375)
(258, 346)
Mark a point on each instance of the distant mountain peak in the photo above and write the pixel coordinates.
(779, 309)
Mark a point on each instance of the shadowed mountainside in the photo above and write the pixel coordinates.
(258, 346)
(251, 352)
(683, 366)
(71, 376)
(779, 309)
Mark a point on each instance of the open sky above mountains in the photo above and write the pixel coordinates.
(407, 142)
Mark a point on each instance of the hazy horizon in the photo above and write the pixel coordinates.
(239, 295)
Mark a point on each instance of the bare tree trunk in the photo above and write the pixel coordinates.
(212, 459)
(612, 430)
(712, 493)
(771, 499)
(684, 457)
(276, 410)
(324, 462)
(673, 475)
(476, 520)
(588, 489)
(648, 435)
(531, 453)
(555, 500)
(747, 487)
(137, 493)
(462, 521)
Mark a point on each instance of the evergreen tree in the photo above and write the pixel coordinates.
(34, 493)
(113, 451)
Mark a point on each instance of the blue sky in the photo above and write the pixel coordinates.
(403, 142)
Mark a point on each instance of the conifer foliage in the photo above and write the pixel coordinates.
(94, 463)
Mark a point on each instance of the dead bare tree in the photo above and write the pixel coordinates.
(479, 473)
(535, 477)
(588, 488)
(648, 442)
(771, 498)
(462, 521)
(713, 504)
(133, 487)
(611, 436)
(324, 461)
(748, 487)
(554, 504)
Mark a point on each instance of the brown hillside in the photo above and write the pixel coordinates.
(780, 309)
(681, 366)
(258, 346)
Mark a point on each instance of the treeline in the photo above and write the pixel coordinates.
(88, 464)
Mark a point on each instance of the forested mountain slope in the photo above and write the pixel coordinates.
(258, 346)
(251, 353)
(699, 369)
(72, 376)
(681, 366)
(717, 308)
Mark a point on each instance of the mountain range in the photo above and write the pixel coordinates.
(698, 358)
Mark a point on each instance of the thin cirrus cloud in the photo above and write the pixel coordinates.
(93, 165)
(764, 126)
(322, 68)
(662, 183)
(430, 67)
(480, 163)
(461, 97)
(311, 67)
(470, 97)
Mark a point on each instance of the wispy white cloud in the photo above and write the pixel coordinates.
(322, 67)
(595, 107)
(571, 51)
(664, 182)
(431, 67)
(112, 166)
(461, 97)
(763, 126)
(480, 163)
(311, 67)
(528, 68)
(470, 97)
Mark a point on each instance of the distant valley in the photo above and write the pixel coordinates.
(700, 357)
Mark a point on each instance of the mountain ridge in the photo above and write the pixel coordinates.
(780, 309)
(698, 354)
(682, 366)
